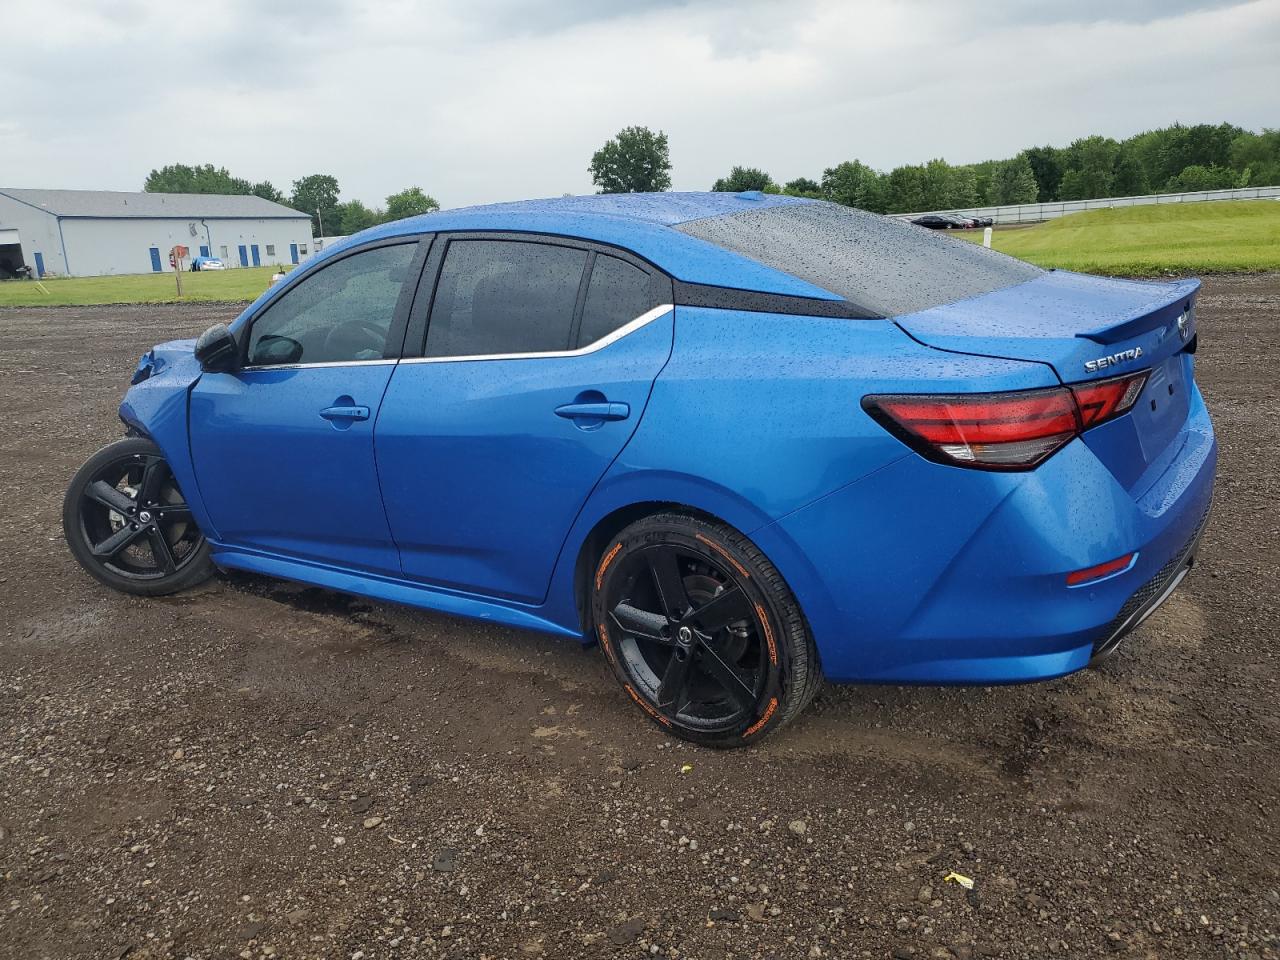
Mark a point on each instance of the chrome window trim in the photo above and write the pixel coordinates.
(312, 366)
(625, 330)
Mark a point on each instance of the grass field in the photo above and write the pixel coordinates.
(242, 284)
(1228, 236)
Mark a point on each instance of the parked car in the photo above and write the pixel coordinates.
(206, 263)
(743, 442)
(935, 221)
(982, 221)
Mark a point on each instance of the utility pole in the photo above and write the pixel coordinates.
(320, 217)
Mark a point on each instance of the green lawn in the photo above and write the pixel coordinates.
(1223, 236)
(241, 284)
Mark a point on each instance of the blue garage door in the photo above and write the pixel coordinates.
(257, 260)
(39, 263)
(244, 256)
(155, 260)
(293, 252)
(204, 251)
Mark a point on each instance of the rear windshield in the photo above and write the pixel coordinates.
(885, 266)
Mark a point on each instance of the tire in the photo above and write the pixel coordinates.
(702, 631)
(149, 547)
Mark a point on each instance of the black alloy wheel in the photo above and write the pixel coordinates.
(701, 630)
(129, 525)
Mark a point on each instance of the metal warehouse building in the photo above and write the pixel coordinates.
(86, 233)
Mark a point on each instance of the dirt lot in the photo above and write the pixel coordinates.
(257, 769)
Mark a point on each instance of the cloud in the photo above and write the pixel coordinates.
(480, 100)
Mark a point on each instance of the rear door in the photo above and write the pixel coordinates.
(534, 369)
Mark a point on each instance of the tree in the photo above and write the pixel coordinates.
(267, 191)
(803, 187)
(1257, 157)
(635, 161)
(318, 196)
(202, 178)
(1013, 181)
(1130, 177)
(743, 178)
(409, 202)
(854, 184)
(1090, 169)
(352, 217)
(1046, 164)
(904, 189)
(1196, 177)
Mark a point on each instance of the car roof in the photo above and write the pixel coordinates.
(640, 222)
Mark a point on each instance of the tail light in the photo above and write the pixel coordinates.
(1002, 431)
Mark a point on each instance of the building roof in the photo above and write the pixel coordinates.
(112, 205)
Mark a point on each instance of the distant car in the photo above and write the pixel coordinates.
(207, 263)
(741, 441)
(983, 221)
(943, 221)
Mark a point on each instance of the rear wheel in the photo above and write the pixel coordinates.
(129, 525)
(702, 631)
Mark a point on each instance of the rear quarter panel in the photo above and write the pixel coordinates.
(756, 415)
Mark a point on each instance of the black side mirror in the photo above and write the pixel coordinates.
(217, 350)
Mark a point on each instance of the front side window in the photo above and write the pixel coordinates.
(616, 294)
(340, 313)
(504, 296)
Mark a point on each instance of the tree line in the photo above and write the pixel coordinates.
(317, 194)
(1171, 159)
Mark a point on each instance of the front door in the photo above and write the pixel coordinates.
(40, 263)
(489, 445)
(257, 259)
(155, 260)
(244, 255)
(283, 448)
(293, 253)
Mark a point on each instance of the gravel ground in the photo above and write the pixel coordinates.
(257, 769)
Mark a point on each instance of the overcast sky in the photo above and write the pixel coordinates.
(484, 100)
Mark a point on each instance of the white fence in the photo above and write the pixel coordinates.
(1035, 212)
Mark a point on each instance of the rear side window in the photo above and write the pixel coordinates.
(616, 294)
(882, 265)
(504, 296)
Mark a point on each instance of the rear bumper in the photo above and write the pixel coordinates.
(923, 573)
(1150, 596)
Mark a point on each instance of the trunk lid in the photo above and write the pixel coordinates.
(1089, 328)
(1086, 328)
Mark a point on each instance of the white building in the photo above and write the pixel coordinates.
(86, 233)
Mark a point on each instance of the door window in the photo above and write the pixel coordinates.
(341, 313)
(503, 297)
(616, 294)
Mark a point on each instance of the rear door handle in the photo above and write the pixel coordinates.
(345, 413)
(594, 411)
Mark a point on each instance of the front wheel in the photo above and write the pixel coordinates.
(129, 525)
(701, 630)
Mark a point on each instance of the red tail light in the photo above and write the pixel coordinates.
(1002, 431)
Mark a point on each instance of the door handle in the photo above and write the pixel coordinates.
(345, 413)
(594, 411)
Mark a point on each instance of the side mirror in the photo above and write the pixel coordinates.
(217, 350)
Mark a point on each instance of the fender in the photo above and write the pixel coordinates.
(156, 406)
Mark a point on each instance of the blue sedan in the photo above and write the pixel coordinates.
(742, 442)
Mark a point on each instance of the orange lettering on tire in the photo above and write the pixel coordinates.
(724, 553)
(768, 712)
(604, 564)
(768, 635)
(645, 707)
